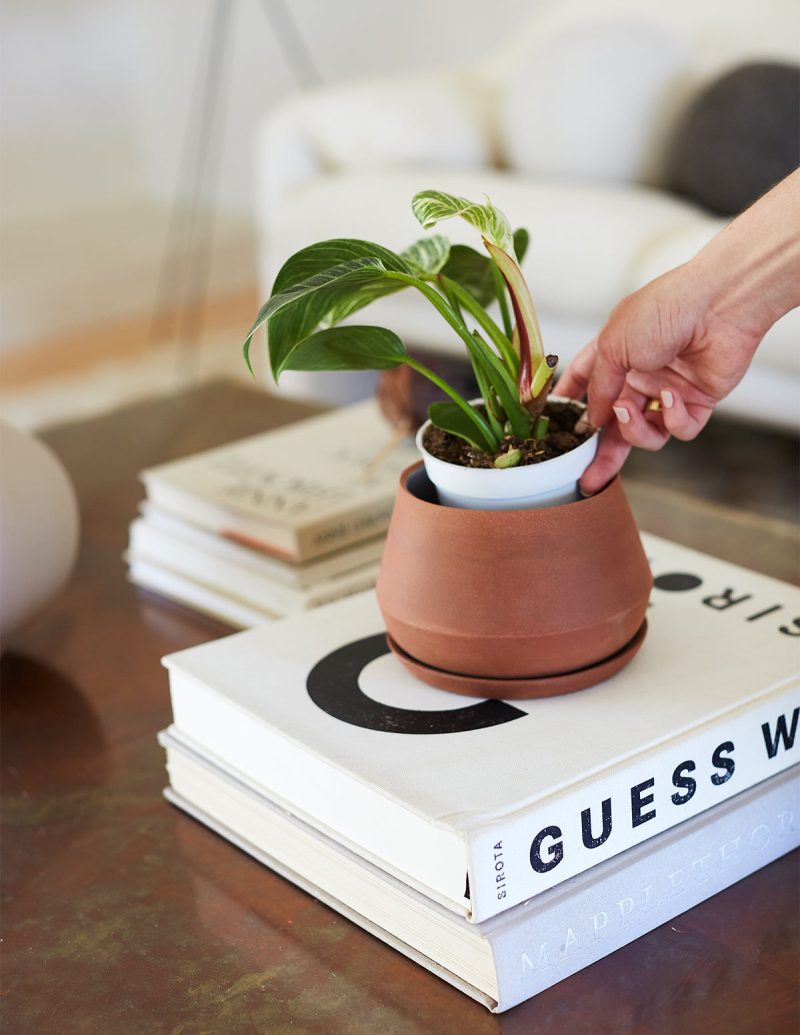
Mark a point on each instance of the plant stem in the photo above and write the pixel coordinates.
(544, 371)
(495, 370)
(488, 395)
(486, 432)
(496, 336)
(498, 374)
(484, 384)
(541, 427)
(452, 300)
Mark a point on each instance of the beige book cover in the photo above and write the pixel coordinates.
(300, 492)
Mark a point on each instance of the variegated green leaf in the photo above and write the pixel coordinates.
(321, 256)
(431, 206)
(306, 302)
(427, 255)
(473, 270)
(531, 350)
(291, 325)
(348, 348)
(423, 258)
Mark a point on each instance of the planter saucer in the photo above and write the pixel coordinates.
(512, 689)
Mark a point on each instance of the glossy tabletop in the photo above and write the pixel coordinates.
(120, 914)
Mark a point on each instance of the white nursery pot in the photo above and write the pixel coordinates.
(548, 484)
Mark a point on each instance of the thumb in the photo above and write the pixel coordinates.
(605, 384)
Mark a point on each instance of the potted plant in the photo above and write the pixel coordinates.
(515, 586)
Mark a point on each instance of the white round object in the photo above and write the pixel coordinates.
(38, 527)
(548, 484)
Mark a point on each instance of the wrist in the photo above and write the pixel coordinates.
(748, 276)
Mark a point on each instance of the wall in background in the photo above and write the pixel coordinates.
(95, 100)
(96, 95)
(97, 92)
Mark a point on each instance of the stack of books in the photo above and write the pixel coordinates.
(503, 847)
(274, 524)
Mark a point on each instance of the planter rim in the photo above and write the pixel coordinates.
(420, 466)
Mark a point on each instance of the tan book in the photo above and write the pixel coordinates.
(301, 576)
(154, 547)
(299, 492)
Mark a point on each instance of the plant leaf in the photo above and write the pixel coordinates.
(316, 290)
(293, 323)
(473, 270)
(324, 254)
(449, 417)
(531, 350)
(347, 348)
(521, 241)
(428, 255)
(431, 206)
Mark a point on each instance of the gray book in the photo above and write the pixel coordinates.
(511, 957)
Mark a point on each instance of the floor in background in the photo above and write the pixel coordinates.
(87, 373)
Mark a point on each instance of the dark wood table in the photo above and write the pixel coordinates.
(120, 914)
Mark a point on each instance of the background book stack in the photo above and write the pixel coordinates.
(504, 846)
(273, 524)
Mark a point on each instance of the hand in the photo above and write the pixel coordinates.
(665, 341)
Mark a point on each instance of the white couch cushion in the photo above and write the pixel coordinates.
(593, 100)
(388, 122)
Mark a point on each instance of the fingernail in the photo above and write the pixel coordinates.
(581, 425)
(667, 399)
(584, 494)
(622, 414)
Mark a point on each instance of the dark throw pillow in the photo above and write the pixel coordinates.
(739, 137)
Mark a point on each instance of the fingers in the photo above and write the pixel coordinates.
(575, 379)
(682, 421)
(631, 427)
(605, 385)
(611, 455)
(644, 431)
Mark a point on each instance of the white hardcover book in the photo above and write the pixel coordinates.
(509, 958)
(191, 594)
(300, 492)
(253, 588)
(287, 573)
(484, 804)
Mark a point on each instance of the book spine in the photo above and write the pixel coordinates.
(330, 534)
(519, 857)
(593, 918)
(338, 589)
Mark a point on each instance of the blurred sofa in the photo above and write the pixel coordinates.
(568, 130)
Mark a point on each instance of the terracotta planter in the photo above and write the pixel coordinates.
(513, 603)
